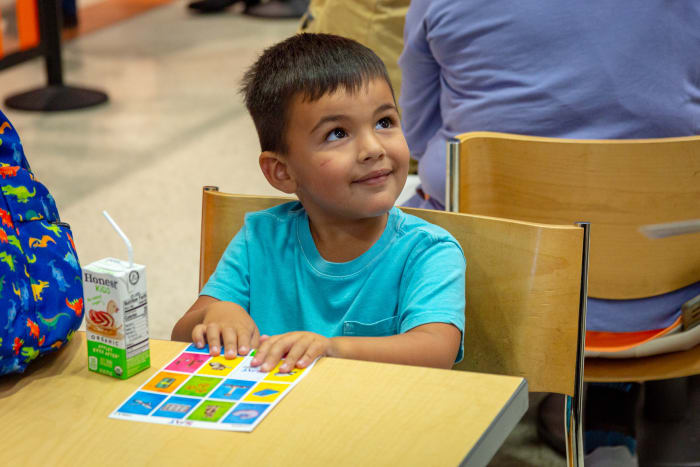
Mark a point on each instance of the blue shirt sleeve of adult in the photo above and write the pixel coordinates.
(420, 82)
(432, 289)
(231, 279)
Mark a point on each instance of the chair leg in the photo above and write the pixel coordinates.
(573, 405)
(573, 428)
(666, 400)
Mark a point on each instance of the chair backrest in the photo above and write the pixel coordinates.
(616, 185)
(524, 287)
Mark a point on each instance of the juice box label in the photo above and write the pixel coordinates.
(116, 317)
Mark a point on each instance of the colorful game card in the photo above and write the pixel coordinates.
(197, 390)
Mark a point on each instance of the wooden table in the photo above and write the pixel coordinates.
(343, 412)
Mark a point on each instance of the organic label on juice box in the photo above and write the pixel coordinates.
(116, 317)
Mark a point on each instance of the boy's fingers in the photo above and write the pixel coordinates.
(255, 339)
(230, 342)
(314, 351)
(198, 335)
(243, 341)
(261, 353)
(213, 338)
(277, 350)
(297, 351)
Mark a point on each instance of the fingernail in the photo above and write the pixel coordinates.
(265, 367)
(301, 363)
(254, 362)
(284, 368)
(199, 344)
(243, 350)
(215, 350)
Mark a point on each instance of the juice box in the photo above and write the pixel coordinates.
(116, 317)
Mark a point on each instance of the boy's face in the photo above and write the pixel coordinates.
(348, 158)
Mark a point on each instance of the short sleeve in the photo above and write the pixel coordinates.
(231, 279)
(433, 287)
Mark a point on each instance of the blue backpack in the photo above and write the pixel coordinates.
(41, 292)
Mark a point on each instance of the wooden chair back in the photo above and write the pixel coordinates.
(616, 185)
(523, 287)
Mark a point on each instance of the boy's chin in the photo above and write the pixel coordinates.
(377, 209)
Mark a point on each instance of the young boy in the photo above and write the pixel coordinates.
(341, 272)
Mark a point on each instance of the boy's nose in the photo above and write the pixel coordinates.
(370, 148)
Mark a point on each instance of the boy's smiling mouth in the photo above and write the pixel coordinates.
(374, 177)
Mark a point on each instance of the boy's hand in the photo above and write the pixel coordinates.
(228, 323)
(301, 348)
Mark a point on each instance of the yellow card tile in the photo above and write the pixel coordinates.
(219, 366)
(275, 375)
(265, 392)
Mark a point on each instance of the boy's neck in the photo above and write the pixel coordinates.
(344, 241)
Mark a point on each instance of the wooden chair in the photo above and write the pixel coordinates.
(525, 291)
(617, 186)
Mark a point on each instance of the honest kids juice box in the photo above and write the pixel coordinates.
(116, 317)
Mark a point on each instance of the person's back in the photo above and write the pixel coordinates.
(341, 272)
(584, 70)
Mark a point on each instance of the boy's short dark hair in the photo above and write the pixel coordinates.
(308, 64)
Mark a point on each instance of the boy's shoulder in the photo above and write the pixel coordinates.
(280, 213)
(408, 224)
(275, 224)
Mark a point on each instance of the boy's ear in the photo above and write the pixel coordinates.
(276, 171)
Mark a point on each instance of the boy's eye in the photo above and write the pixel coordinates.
(384, 123)
(336, 134)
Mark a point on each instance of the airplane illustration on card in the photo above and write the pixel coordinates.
(143, 404)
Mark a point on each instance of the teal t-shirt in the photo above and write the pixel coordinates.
(413, 275)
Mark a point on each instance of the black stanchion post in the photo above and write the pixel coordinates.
(48, 22)
(55, 95)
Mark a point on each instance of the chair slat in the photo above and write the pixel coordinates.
(616, 185)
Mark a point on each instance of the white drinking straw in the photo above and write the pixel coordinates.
(121, 234)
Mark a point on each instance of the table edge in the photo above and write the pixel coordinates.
(499, 429)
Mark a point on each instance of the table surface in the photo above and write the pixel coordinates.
(344, 412)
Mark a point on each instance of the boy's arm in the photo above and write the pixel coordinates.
(223, 320)
(193, 316)
(431, 344)
(218, 324)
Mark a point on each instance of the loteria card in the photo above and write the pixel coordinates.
(198, 390)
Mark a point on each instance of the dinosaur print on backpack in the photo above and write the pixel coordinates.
(41, 292)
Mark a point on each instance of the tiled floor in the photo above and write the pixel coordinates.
(174, 123)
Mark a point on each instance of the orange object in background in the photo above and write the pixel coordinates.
(616, 341)
(19, 26)
(27, 24)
